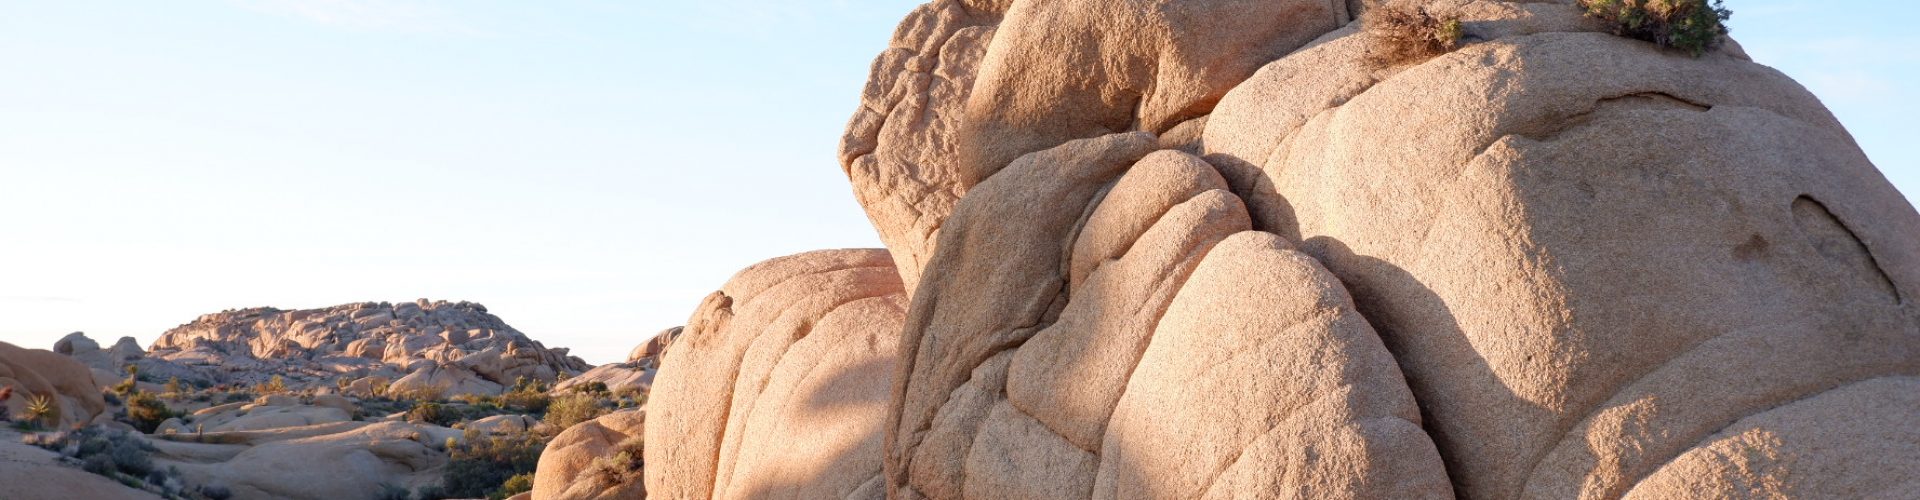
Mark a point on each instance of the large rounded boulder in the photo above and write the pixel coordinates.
(779, 384)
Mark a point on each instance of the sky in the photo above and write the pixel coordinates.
(589, 170)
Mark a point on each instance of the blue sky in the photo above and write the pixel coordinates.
(587, 169)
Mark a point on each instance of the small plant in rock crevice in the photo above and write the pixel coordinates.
(1695, 26)
(1405, 32)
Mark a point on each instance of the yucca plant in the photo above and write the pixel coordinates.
(40, 409)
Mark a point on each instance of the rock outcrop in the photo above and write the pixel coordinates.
(450, 347)
(798, 349)
(1590, 255)
(567, 469)
(65, 383)
(310, 462)
(1187, 249)
(635, 375)
(32, 473)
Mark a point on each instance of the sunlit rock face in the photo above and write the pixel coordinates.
(1551, 263)
(422, 346)
(779, 386)
(1214, 249)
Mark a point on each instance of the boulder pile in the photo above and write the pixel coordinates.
(1207, 249)
(421, 347)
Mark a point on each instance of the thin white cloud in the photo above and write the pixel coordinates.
(369, 15)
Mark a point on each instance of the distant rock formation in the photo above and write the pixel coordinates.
(636, 374)
(451, 347)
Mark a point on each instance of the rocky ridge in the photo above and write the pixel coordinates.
(454, 347)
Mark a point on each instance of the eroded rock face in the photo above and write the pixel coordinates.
(1086, 352)
(567, 469)
(798, 349)
(968, 85)
(635, 376)
(66, 383)
(452, 347)
(325, 461)
(1604, 267)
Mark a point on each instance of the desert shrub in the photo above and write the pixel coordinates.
(125, 388)
(525, 401)
(236, 397)
(1694, 26)
(571, 409)
(431, 492)
(594, 387)
(519, 483)
(389, 491)
(107, 452)
(173, 387)
(1405, 32)
(480, 466)
(216, 492)
(433, 413)
(146, 412)
(623, 466)
(275, 385)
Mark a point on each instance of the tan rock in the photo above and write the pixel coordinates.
(967, 86)
(1590, 255)
(503, 424)
(66, 383)
(29, 472)
(794, 349)
(563, 472)
(1071, 355)
(339, 460)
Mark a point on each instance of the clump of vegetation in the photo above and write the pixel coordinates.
(519, 483)
(173, 389)
(1405, 32)
(1694, 26)
(388, 491)
(594, 387)
(146, 412)
(482, 466)
(623, 466)
(275, 385)
(41, 411)
(433, 413)
(117, 455)
(571, 409)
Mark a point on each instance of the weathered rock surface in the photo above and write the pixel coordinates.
(1590, 255)
(635, 376)
(565, 470)
(1092, 366)
(66, 383)
(968, 85)
(798, 349)
(29, 472)
(453, 347)
(326, 461)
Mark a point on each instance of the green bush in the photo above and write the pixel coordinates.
(525, 401)
(569, 410)
(433, 413)
(519, 483)
(390, 492)
(145, 411)
(480, 466)
(111, 453)
(1690, 25)
(623, 466)
(1402, 32)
